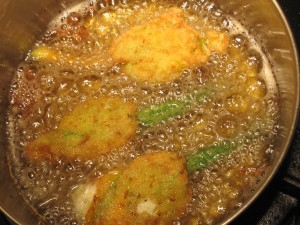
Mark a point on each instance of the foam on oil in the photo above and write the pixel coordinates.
(43, 93)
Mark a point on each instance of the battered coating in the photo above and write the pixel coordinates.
(158, 50)
(90, 130)
(151, 190)
(85, 195)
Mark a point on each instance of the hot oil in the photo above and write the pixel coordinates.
(244, 102)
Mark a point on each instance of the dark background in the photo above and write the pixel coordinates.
(291, 9)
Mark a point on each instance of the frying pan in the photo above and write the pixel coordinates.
(23, 22)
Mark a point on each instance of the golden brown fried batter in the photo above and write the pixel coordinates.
(85, 195)
(151, 190)
(91, 129)
(158, 50)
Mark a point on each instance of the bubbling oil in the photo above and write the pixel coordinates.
(243, 102)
